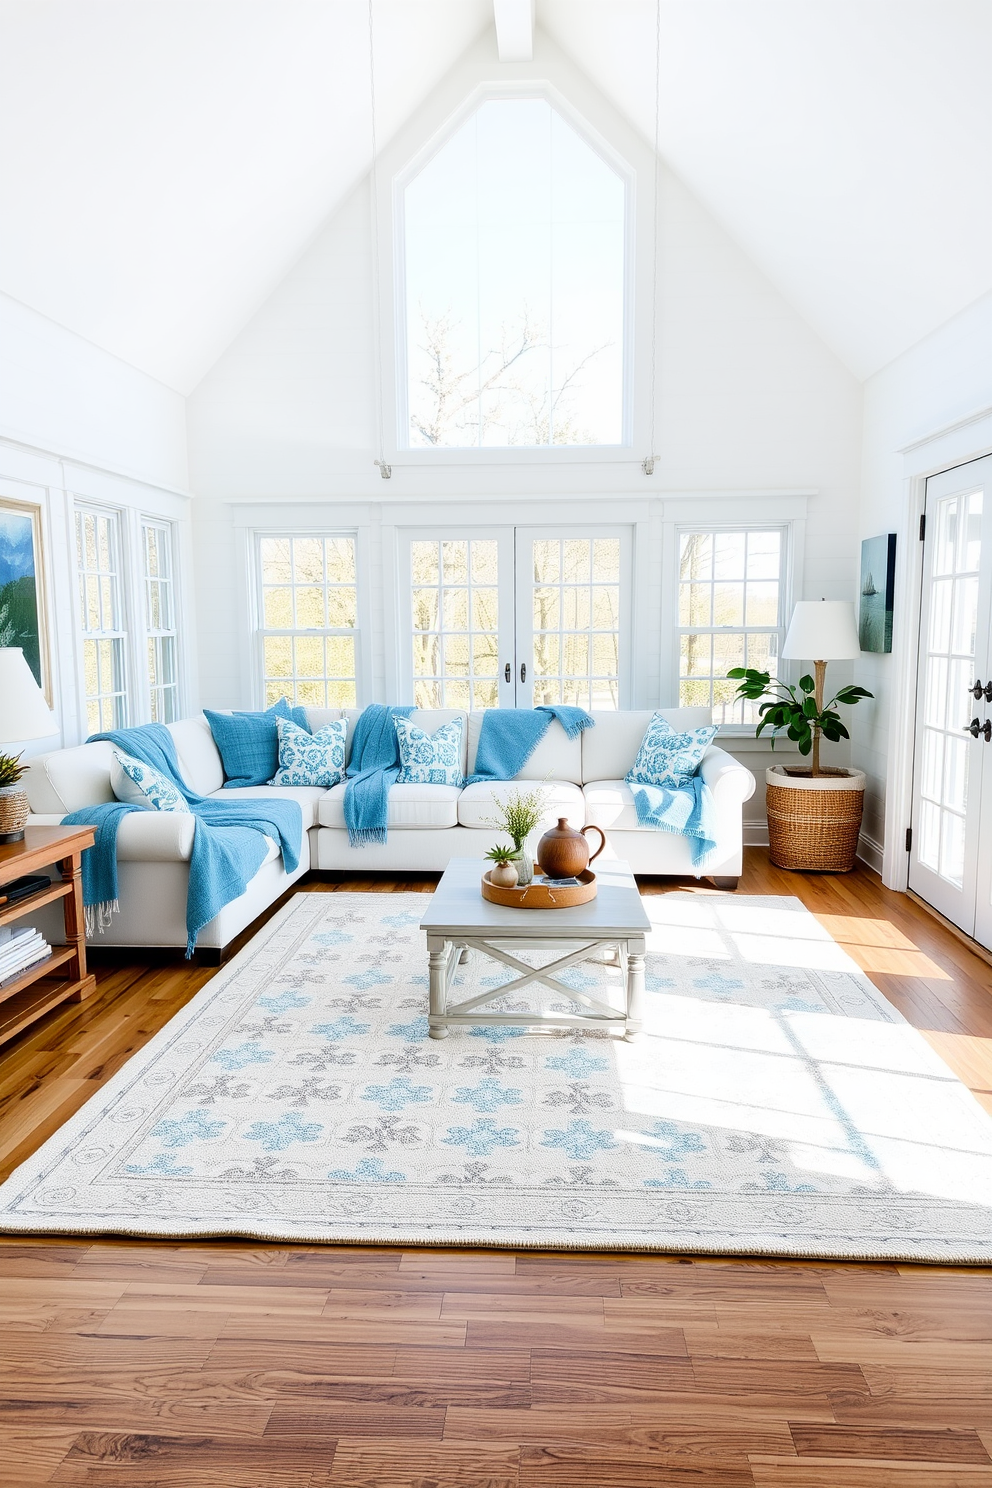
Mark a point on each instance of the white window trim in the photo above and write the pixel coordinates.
(789, 516)
(622, 148)
(255, 666)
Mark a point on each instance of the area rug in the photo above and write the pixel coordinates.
(778, 1105)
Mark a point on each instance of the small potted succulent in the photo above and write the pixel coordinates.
(504, 870)
(13, 799)
(519, 815)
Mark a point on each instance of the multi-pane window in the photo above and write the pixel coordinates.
(730, 601)
(576, 620)
(455, 621)
(309, 620)
(101, 610)
(161, 642)
(514, 251)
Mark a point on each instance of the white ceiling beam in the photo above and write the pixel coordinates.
(514, 30)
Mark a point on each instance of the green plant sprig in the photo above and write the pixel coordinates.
(519, 814)
(11, 769)
(794, 709)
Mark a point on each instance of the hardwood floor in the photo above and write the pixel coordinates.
(221, 1365)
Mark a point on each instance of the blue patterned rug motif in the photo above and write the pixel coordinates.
(777, 1105)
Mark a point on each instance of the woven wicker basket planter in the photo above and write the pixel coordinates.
(813, 825)
(13, 811)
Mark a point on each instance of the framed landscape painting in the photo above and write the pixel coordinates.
(22, 602)
(878, 582)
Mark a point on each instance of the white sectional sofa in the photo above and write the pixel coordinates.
(428, 824)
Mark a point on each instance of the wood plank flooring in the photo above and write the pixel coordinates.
(145, 1364)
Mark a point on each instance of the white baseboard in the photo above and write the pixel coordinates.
(756, 834)
(870, 852)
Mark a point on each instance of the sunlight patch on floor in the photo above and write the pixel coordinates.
(879, 945)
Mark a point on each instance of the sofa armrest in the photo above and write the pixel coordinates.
(726, 777)
(144, 836)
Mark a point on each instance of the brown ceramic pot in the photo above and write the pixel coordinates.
(564, 853)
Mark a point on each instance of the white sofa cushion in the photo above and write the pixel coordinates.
(409, 806)
(556, 756)
(307, 797)
(68, 779)
(610, 805)
(609, 749)
(199, 758)
(479, 803)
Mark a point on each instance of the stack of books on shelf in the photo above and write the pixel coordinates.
(19, 949)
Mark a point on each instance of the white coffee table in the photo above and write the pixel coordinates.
(459, 920)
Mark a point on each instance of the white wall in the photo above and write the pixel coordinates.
(943, 380)
(62, 394)
(78, 423)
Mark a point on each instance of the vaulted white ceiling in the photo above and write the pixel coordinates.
(164, 162)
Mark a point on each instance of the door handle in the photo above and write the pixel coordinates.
(523, 671)
(974, 728)
(507, 673)
(978, 691)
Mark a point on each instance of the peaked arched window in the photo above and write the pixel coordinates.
(514, 253)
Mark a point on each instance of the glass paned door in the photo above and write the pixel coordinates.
(517, 617)
(461, 619)
(571, 587)
(952, 827)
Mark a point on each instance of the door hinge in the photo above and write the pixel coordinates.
(909, 839)
(923, 526)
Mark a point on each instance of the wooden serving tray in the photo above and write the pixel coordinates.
(537, 895)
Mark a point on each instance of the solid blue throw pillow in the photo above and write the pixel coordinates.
(249, 742)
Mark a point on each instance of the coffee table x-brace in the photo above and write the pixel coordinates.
(459, 920)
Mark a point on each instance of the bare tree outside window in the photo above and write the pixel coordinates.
(514, 252)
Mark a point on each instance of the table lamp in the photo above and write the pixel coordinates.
(24, 715)
(822, 630)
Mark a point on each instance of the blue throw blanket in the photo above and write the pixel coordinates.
(373, 768)
(509, 737)
(228, 841)
(689, 811)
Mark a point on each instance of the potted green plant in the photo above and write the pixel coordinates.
(504, 870)
(814, 811)
(13, 799)
(519, 815)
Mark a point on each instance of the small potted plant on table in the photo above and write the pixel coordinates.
(504, 870)
(814, 811)
(520, 815)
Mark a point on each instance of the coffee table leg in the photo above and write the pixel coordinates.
(635, 996)
(438, 960)
(464, 956)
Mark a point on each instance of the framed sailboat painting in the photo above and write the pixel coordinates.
(878, 582)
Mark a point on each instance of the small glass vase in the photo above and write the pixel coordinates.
(524, 864)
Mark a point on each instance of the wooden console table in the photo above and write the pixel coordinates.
(62, 975)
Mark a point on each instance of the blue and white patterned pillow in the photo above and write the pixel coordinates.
(668, 758)
(430, 759)
(139, 785)
(310, 759)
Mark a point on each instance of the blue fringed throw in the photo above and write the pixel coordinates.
(509, 736)
(228, 836)
(688, 810)
(372, 769)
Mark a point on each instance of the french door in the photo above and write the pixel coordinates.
(516, 616)
(951, 853)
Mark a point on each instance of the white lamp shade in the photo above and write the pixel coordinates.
(24, 714)
(822, 630)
